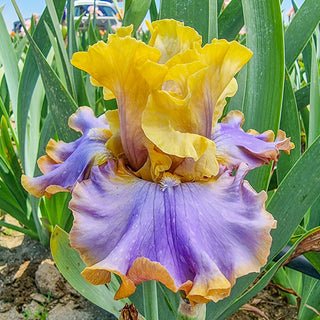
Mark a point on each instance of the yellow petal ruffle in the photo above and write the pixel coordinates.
(115, 66)
(172, 37)
(170, 94)
(179, 118)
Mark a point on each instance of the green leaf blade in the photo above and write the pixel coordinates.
(230, 20)
(314, 119)
(300, 30)
(10, 63)
(8, 148)
(60, 102)
(310, 299)
(294, 196)
(135, 13)
(189, 12)
(291, 125)
(30, 75)
(265, 74)
(81, 94)
(260, 284)
(70, 265)
(302, 97)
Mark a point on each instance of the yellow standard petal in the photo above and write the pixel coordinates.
(114, 144)
(172, 37)
(179, 118)
(209, 88)
(115, 66)
(175, 136)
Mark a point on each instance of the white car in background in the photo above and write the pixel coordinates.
(105, 13)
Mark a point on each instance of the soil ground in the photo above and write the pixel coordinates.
(23, 296)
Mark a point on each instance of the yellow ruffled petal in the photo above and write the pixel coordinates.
(209, 88)
(179, 119)
(107, 94)
(206, 167)
(172, 76)
(172, 37)
(176, 80)
(185, 57)
(124, 31)
(160, 162)
(165, 123)
(180, 100)
(230, 90)
(157, 163)
(114, 144)
(112, 117)
(115, 66)
(95, 83)
(153, 73)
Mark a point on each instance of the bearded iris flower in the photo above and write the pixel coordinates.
(158, 189)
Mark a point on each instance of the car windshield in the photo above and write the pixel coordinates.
(101, 11)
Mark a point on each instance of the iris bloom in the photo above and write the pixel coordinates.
(158, 189)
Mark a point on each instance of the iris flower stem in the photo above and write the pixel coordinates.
(188, 312)
(150, 300)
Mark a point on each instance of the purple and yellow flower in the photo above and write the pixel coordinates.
(158, 189)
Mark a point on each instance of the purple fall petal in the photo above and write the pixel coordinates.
(67, 163)
(234, 146)
(84, 120)
(60, 151)
(196, 237)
